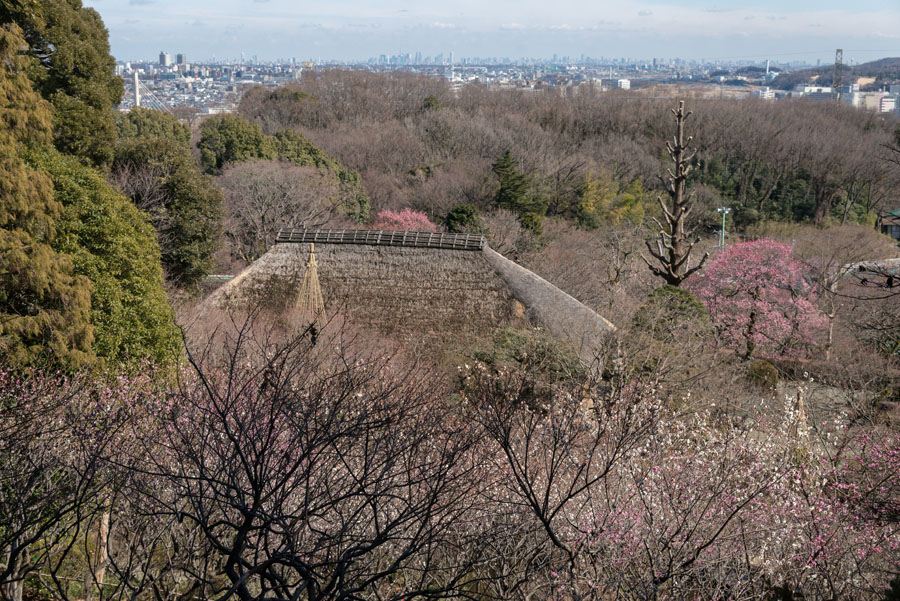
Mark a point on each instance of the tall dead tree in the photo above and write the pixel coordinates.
(672, 250)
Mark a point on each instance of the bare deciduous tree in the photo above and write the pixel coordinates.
(262, 197)
(327, 479)
(51, 478)
(673, 245)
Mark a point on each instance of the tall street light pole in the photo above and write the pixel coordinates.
(724, 211)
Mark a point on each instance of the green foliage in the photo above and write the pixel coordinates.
(464, 218)
(534, 352)
(293, 147)
(889, 346)
(604, 201)
(80, 266)
(282, 107)
(426, 171)
(230, 139)
(74, 71)
(534, 223)
(431, 103)
(160, 176)
(43, 304)
(288, 93)
(542, 362)
(670, 312)
(516, 192)
(762, 192)
(83, 131)
(145, 123)
(762, 373)
(112, 244)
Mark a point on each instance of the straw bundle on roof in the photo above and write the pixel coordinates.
(309, 300)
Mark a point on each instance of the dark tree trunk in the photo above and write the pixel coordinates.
(672, 251)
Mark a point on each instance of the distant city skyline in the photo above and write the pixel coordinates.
(354, 29)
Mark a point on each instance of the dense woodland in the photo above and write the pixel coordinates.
(737, 438)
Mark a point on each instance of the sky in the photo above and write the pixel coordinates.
(780, 30)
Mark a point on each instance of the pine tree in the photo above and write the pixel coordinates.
(43, 306)
(517, 194)
(514, 186)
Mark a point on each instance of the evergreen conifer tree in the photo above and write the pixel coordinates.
(514, 186)
(73, 69)
(43, 305)
(516, 194)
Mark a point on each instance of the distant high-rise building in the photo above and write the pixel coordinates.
(180, 59)
(766, 93)
(165, 59)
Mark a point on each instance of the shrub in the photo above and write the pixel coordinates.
(762, 373)
(464, 218)
(667, 310)
(544, 363)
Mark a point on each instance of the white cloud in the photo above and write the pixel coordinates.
(391, 25)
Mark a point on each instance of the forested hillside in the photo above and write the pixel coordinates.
(591, 158)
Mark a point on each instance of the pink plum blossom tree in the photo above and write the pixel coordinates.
(622, 497)
(759, 298)
(404, 219)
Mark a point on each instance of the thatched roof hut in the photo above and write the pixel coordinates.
(413, 286)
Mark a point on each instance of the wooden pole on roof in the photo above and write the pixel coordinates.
(309, 299)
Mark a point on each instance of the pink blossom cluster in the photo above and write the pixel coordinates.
(634, 500)
(284, 462)
(759, 298)
(404, 219)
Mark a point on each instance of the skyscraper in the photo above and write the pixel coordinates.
(165, 59)
(180, 59)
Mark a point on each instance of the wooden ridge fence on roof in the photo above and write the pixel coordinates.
(383, 238)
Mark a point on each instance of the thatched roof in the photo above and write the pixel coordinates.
(415, 286)
(564, 316)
